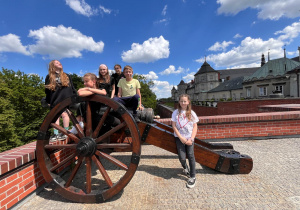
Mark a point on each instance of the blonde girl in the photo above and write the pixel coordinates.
(90, 86)
(58, 86)
(184, 124)
(106, 81)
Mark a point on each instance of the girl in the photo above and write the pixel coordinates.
(58, 86)
(106, 81)
(91, 87)
(184, 124)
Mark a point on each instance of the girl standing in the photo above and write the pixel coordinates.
(106, 81)
(184, 124)
(58, 86)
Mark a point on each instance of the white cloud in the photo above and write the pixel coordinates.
(151, 50)
(162, 89)
(250, 49)
(111, 71)
(237, 36)
(220, 46)
(164, 12)
(12, 43)
(104, 10)
(164, 20)
(81, 7)
(289, 33)
(61, 42)
(152, 75)
(189, 77)
(268, 9)
(171, 70)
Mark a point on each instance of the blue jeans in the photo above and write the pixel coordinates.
(129, 102)
(186, 151)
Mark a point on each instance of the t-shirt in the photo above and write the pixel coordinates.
(129, 88)
(183, 125)
(107, 86)
(117, 77)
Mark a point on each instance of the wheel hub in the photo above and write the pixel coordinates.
(86, 147)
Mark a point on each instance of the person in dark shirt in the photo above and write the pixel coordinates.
(90, 88)
(58, 86)
(105, 81)
(117, 76)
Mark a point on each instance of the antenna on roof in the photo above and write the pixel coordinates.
(268, 55)
(284, 59)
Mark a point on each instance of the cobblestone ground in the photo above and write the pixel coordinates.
(274, 183)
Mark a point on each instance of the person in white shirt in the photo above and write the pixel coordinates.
(184, 124)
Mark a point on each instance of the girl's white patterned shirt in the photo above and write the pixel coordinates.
(183, 125)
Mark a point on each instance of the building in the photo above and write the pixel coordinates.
(275, 78)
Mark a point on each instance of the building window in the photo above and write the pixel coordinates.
(211, 77)
(202, 87)
(241, 95)
(262, 91)
(279, 89)
(211, 86)
(248, 92)
(233, 96)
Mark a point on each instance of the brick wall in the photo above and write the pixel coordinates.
(248, 126)
(239, 107)
(250, 106)
(20, 174)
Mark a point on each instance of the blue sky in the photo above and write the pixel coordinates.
(165, 40)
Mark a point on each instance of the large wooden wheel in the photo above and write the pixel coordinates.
(88, 148)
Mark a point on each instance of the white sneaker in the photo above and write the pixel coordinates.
(74, 130)
(61, 136)
(191, 183)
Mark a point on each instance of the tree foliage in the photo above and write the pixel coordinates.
(148, 97)
(77, 81)
(21, 113)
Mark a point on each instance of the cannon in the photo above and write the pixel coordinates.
(91, 146)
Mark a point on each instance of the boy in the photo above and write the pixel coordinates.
(129, 92)
(117, 76)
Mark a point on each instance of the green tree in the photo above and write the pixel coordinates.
(148, 97)
(77, 81)
(21, 112)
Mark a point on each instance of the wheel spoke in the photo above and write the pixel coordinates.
(75, 123)
(110, 132)
(115, 146)
(102, 171)
(100, 124)
(88, 131)
(88, 174)
(64, 131)
(61, 146)
(62, 162)
(74, 172)
(112, 160)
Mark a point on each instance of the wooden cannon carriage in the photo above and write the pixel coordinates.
(91, 148)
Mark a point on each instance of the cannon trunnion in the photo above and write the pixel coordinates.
(93, 148)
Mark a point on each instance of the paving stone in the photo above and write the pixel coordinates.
(274, 182)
